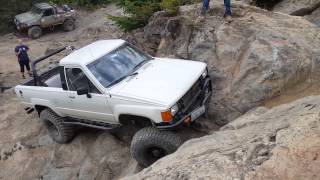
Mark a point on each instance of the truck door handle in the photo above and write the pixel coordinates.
(72, 97)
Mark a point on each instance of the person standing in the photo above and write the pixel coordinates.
(21, 51)
(227, 4)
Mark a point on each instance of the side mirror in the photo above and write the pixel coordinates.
(83, 91)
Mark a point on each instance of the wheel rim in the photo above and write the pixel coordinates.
(53, 130)
(155, 153)
(36, 33)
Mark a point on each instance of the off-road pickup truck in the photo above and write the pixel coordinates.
(111, 83)
(45, 15)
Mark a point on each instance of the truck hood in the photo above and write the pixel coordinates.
(161, 81)
(27, 17)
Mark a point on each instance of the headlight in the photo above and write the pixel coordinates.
(174, 109)
(205, 73)
(23, 25)
(167, 116)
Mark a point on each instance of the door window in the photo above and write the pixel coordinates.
(48, 12)
(76, 79)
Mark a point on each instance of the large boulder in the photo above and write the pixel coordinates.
(278, 143)
(259, 56)
(296, 7)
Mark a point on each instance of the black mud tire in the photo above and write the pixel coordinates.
(59, 132)
(150, 144)
(34, 32)
(68, 25)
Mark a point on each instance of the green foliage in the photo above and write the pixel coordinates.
(87, 3)
(172, 6)
(127, 23)
(139, 12)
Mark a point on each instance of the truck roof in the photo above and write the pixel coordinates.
(43, 5)
(91, 52)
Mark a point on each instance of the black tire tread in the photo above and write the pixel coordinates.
(150, 135)
(66, 132)
(64, 25)
(30, 30)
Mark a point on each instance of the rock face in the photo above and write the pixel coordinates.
(280, 143)
(255, 58)
(296, 7)
(314, 17)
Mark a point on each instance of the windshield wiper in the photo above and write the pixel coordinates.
(130, 74)
(140, 64)
(122, 78)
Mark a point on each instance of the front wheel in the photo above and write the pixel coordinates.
(34, 32)
(149, 144)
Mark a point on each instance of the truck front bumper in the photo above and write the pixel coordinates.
(20, 26)
(197, 112)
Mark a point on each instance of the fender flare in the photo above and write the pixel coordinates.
(45, 103)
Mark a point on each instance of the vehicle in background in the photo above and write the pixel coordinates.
(45, 15)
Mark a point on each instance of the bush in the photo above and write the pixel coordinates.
(139, 12)
(126, 23)
(172, 6)
(88, 3)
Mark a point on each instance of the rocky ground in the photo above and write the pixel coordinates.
(260, 59)
(278, 143)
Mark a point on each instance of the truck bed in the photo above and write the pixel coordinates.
(50, 78)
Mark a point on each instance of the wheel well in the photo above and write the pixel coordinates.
(34, 26)
(71, 19)
(40, 108)
(140, 121)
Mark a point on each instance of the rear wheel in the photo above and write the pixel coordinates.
(68, 25)
(34, 32)
(60, 132)
(150, 144)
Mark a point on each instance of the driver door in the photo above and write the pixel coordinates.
(93, 106)
(49, 18)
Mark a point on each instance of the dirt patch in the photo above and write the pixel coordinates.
(292, 94)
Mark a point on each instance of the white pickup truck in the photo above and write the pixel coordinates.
(111, 83)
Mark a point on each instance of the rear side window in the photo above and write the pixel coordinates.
(77, 79)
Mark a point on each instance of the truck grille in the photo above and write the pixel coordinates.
(189, 100)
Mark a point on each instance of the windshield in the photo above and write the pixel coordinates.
(35, 10)
(115, 66)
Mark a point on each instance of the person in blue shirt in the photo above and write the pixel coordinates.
(21, 51)
(227, 4)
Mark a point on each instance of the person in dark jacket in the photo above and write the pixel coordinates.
(21, 51)
(227, 4)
